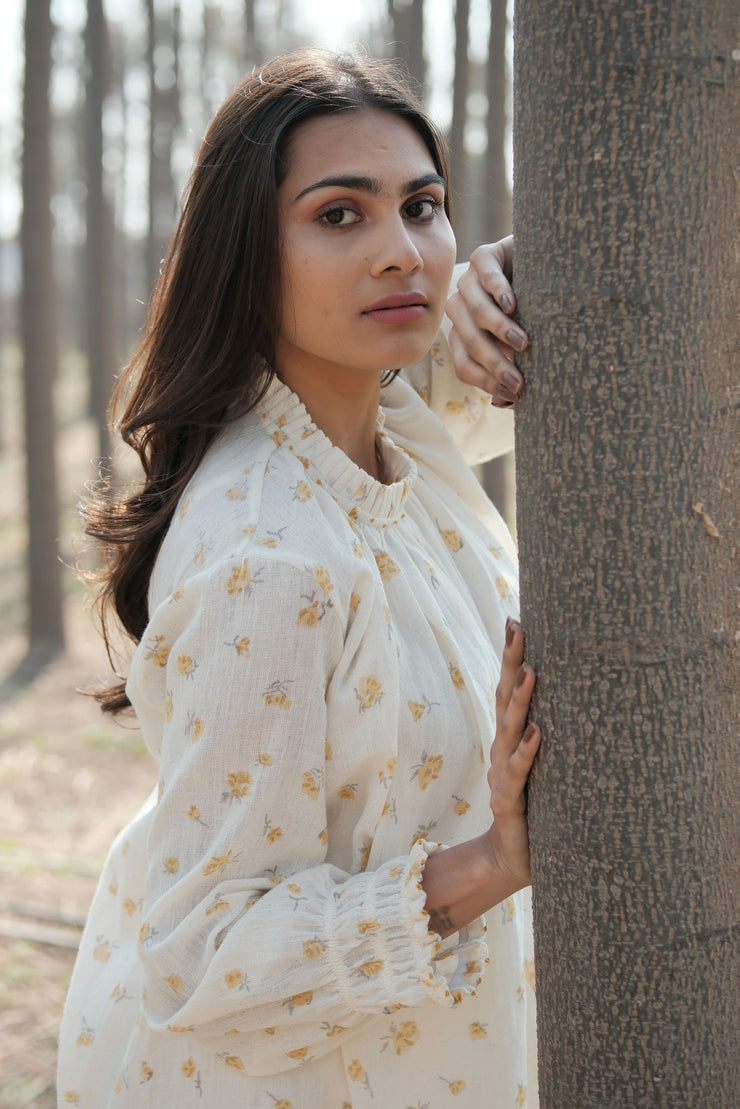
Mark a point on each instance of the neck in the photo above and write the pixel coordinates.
(345, 407)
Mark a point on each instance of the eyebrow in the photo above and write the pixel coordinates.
(370, 184)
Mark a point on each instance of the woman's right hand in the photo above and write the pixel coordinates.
(484, 338)
(512, 755)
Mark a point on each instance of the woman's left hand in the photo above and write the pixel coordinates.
(484, 338)
(512, 755)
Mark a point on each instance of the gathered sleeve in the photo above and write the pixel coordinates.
(251, 937)
(480, 430)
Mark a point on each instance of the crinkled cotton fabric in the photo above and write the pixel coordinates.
(317, 683)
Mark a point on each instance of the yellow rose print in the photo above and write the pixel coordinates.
(405, 1036)
(477, 1030)
(241, 580)
(310, 784)
(456, 1086)
(369, 692)
(276, 696)
(348, 792)
(386, 565)
(323, 837)
(86, 1036)
(264, 759)
(302, 492)
(299, 999)
(461, 805)
(218, 906)
(428, 769)
(72, 1097)
(283, 1103)
(168, 707)
(241, 645)
(322, 579)
(159, 651)
(331, 1030)
(101, 951)
(354, 602)
(453, 540)
(313, 949)
(309, 617)
(233, 1061)
(145, 1072)
(368, 927)
(218, 862)
(521, 1097)
(502, 586)
(239, 785)
(188, 1068)
(194, 814)
(273, 835)
(417, 710)
(298, 1053)
(356, 1071)
(186, 666)
(171, 865)
(129, 906)
(370, 968)
(236, 493)
(235, 980)
(457, 679)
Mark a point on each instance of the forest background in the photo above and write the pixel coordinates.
(131, 86)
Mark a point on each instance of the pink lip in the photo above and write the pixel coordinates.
(398, 308)
(399, 300)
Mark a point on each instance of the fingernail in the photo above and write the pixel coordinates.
(530, 733)
(509, 631)
(521, 675)
(516, 339)
(506, 303)
(513, 381)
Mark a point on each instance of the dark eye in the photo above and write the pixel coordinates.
(339, 216)
(424, 208)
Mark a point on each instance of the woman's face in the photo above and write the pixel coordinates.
(367, 249)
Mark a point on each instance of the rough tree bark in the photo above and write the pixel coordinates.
(39, 336)
(627, 150)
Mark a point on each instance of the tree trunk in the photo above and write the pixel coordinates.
(39, 334)
(407, 17)
(627, 150)
(498, 193)
(162, 122)
(497, 473)
(100, 262)
(460, 89)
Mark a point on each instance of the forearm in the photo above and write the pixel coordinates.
(462, 883)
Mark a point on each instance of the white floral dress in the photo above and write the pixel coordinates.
(317, 681)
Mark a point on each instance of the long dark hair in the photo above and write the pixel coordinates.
(210, 335)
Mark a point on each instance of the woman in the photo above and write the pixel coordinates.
(319, 589)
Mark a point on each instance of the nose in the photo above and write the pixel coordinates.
(395, 249)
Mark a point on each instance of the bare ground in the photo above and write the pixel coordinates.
(69, 779)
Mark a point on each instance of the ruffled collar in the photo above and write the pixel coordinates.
(290, 425)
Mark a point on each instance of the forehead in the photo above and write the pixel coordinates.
(366, 142)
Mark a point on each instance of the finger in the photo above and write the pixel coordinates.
(511, 783)
(494, 265)
(484, 363)
(472, 307)
(516, 710)
(511, 662)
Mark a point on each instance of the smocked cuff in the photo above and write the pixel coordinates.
(398, 961)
